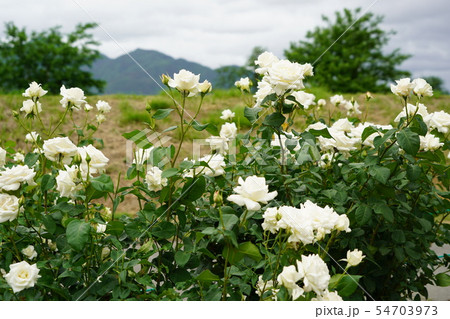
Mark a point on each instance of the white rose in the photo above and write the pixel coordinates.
(325, 160)
(216, 164)
(103, 107)
(285, 75)
(31, 107)
(354, 257)
(29, 252)
(316, 274)
(243, 84)
(66, 182)
(271, 218)
(336, 100)
(412, 109)
(305, 99)
(74, 96)
(438, 120)
(343, 125)
(284, 137)
(11, 178)
(227, 115)
(289, 277)
(297, 224)
(31, 137)
(321, 102)
(2, 157)
(22, 275)
(328, 296)
(9, 207)
(185, 81)
(155, 182)
(422, 88)
(88, 107)
(429, 142)
(59, 148)
(98, 161)
(308, 69)
(218, 144)
(100, 118)
(351, 107)
(264, 90)
(265, 61)
(343, 223)
(141, 156)
(340, 141)
(34, 90)
(19, 158)
(403, 87)
(204, 87)
(251, 192)
(263, 286)
(316, 126)
(101, 228)
(228, 130)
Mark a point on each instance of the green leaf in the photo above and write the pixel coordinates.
(363, 214)
(103, 183)
(398, 236)
(274, 119)
(251, 114)
(47, 182)
(385, 211)
(115, 228)
(31, 159)
(232, 254)
(139, 138)
(408, 141)
(164, 230)
(249, 249)
(229, 220)
(212, 129)
(49, 224)
(169, 172)
(380, 173)
(443, 280)
(194, 188)
(323, 132)
(367, 132)
(161, 114)
(413, 172)
(199, 127)
(171, 128)
(182, 257)
(207, 275)
(77, 233)
(345, 284)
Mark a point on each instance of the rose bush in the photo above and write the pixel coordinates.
(318, 209)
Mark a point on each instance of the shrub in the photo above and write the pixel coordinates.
(327, 212)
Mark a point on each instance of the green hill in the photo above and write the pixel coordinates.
(123, 75)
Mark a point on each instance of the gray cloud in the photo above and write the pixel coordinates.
(218, 33)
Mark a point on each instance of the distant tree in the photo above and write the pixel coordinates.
(357, 61)
(229, 74)
(49, 57)
(437, 83)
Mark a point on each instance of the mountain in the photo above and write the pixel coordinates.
(123, 75)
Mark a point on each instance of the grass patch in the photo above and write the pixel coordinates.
(129, 114)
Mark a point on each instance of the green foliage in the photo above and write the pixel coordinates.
(437, 83)
(189, 240)
(48, 57)
(352, 61)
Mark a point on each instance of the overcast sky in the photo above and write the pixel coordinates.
(217, 33)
